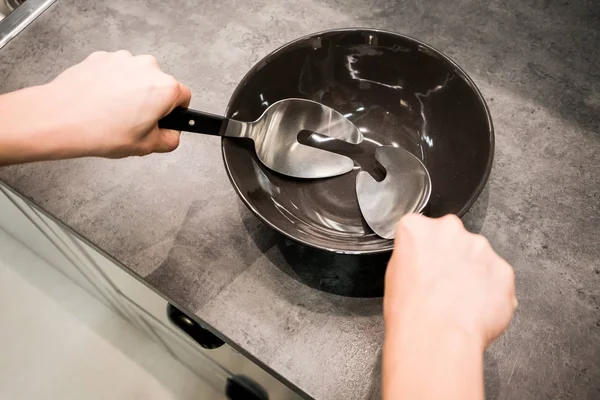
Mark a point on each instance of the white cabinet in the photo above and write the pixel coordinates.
(45, 238)
(102, 277)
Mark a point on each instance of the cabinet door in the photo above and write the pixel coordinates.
(150, 305)
(57, 245)
(24, 223)
(184, 350)
(233, 361)
(127, 284)
(124, 293)
(229, 385)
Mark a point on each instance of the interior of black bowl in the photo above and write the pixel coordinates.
(398, 92)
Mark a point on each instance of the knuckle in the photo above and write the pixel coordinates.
(480, 242)
(171, 85)
(148, 59)
(409, 221)
(505, 272)
(170, 81)
(410, 228)
(123, 53)
(97, 54)
(510, 273)
(452, 221)
(480, 249)
(510, 283)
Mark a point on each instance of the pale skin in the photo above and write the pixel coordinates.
(106, 106)
(448, 295)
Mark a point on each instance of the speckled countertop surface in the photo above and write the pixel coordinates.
(175, 221)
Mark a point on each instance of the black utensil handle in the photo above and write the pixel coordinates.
(185, 119)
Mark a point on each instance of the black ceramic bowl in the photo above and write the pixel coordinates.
(397, 91)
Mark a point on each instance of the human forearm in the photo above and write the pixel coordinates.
(108, 105)
(448, 295)
(30, 130)
(422, 361)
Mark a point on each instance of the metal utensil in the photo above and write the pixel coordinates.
(275, 135)
(406, 188)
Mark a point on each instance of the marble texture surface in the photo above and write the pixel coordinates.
(312, 317)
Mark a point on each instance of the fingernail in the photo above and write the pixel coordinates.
(515, 302)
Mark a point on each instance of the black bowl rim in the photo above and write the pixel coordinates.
(388, 247)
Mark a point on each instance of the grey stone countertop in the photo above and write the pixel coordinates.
(175, 221)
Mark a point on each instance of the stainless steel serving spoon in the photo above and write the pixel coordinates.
(406, 188)
(275, 135)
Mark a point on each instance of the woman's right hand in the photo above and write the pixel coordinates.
(109, 105)
(447, 296)
(450, 277)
